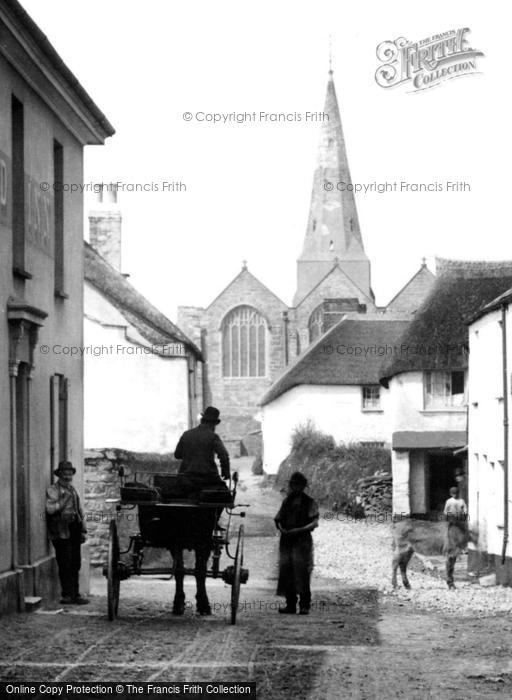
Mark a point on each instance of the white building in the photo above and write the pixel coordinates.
(142, 375)
(427, 381)
(334, 385)
(488, 436)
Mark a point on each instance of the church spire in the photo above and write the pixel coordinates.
(333, 226)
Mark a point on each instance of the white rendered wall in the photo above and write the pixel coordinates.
(335, 410)
(135, 402)
(486, 432)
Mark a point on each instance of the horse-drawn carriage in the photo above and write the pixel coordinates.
(174, 515)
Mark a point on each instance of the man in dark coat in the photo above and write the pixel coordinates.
(66, 527)
(197, 449)
(296, 519)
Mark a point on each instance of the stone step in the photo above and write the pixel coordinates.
(32, 602)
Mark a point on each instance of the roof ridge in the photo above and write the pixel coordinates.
(242, 271)
(176, 331)
(423, 266)
(329, 272)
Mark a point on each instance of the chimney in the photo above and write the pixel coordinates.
(105, 224)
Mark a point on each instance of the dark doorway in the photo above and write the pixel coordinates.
(444, 467)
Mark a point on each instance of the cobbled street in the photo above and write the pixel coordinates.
(361, 640)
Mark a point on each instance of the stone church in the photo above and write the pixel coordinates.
(248, 336)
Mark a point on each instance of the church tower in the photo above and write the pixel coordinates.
(333, 235)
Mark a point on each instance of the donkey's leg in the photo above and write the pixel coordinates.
(178, 607)
(203, 604)
(450, 566)
(394, 568)
(403, 560)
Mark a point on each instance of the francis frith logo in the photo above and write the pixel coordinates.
(428, 62)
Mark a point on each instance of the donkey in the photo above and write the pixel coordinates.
(427, 537)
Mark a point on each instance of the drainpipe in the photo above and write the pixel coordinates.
(286, 321)
(13, 371)
(504, 310)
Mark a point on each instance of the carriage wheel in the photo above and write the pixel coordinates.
(237, 570)
(113, 582)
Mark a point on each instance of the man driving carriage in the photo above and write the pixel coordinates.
(197, 448)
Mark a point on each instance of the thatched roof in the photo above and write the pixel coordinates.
(137, 310)
(350, 353)
(504, 299)
(437, 337)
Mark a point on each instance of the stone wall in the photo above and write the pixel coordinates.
(101, 481)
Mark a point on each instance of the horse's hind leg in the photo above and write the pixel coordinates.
(202, 602)
(178, 607)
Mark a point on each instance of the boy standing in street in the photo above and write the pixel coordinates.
(455, 510)
(296, 519)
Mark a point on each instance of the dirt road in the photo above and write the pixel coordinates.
(358, 642)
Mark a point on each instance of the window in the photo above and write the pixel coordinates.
(244, 343)
(371, 397)
(58, 202)
(445, 389)
(372, 443)
(18, 185)
(316, 323)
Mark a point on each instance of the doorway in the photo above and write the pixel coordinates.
(445, 470)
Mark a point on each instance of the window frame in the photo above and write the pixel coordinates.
(228, 330)
(314, 318)
(444, 406)
(371, 408)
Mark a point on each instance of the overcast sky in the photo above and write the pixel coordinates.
(248, 185)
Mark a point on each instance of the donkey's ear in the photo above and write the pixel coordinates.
(235, 477)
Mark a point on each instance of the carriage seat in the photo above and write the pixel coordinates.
(135, 491)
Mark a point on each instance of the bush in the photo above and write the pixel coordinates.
(331, 469)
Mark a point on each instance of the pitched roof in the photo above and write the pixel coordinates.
(46, 58)
(413, 293)
(244, 272)
(350, 353)
(437, 336)
(136, 309)
(503, 300)
(336, 266)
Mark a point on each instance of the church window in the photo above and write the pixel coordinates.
(316, 323)
(244, 343)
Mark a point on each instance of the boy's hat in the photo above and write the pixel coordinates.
(299, 479)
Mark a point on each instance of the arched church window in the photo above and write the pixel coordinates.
(316, 323)
(244, 343)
